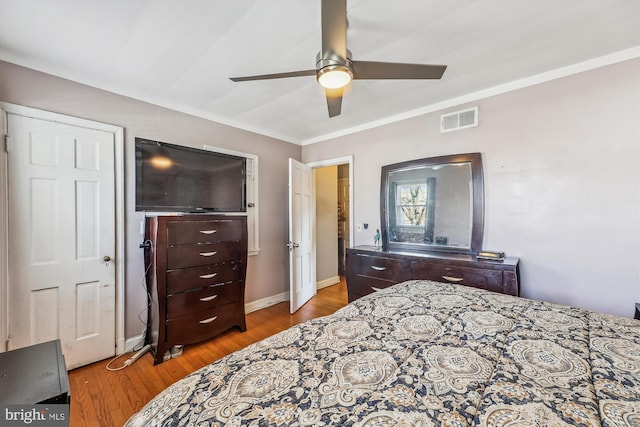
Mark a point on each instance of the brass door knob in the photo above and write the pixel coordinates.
(106, 258)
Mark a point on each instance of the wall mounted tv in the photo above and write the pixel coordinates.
(173, 178)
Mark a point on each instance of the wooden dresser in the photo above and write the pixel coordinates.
(369, 268)
(196, 268)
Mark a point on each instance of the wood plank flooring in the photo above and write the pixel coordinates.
(104, 398)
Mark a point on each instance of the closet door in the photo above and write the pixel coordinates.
(61, 238)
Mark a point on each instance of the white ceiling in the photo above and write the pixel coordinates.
(180, 53)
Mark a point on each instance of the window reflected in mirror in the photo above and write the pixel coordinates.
(412, 217)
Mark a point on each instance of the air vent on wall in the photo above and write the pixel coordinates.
(459, 120)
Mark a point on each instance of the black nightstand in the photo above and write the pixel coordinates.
(34, 374)
(637, 315)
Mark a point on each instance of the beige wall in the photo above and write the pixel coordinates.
(267, 272)
(562, 181)
(561, 163)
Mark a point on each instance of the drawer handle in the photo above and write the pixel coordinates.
(208, 231)
(453, 279)
(209, 298)
(208, 276)
(208, 253)
(209, 320)
(376, 289)
(376, 268)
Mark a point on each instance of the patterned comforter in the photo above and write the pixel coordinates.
(422, 353)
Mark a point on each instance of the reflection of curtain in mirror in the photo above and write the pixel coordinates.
(431, 210)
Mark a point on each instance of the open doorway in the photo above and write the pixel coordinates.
(334, 217)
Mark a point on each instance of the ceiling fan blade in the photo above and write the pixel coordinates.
(334, 29)
(393, 70)
(334, 101)
(275, 76)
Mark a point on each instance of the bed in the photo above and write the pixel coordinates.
(422, 353)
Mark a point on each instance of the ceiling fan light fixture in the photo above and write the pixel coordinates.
(334, 76)
(334, 67)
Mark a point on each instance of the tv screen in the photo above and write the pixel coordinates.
(173, 178)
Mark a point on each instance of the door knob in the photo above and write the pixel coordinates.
(106, 258)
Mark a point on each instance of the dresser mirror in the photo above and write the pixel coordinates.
(433, 204)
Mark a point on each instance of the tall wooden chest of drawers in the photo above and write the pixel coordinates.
(369, 269)
(196, 268)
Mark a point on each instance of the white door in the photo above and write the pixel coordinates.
(61, 238)
(302, 261)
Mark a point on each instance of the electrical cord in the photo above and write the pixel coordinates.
(136, 355)
(108, 366)
(141, 344)
(147, 310)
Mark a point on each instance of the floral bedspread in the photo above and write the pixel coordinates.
(422, 353)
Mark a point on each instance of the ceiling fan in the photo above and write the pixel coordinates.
(334, 67)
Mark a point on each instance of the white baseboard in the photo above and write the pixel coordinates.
(328, 282)
(284, 296)
(266, 302)
(250, 307)
(132, 342)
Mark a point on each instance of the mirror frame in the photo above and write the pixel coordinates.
(477, 225)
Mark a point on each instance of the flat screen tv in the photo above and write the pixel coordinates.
(173, 178)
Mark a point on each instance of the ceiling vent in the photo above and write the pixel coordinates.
(459, 120)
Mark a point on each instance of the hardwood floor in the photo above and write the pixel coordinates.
(104, 398)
